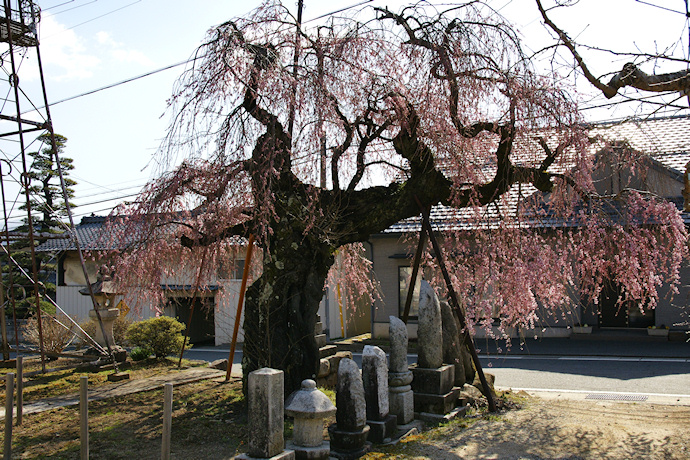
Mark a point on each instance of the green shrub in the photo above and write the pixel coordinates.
(139, 353)
(162, 335)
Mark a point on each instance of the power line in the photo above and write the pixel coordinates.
(93, 19)
(660, 7)
(122, 82)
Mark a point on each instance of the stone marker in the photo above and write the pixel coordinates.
(349, 432)
(429, 329)
(382, 424)
(401, 400)
(265, 413)
(452, 343)
(309, 407)
(433, 382)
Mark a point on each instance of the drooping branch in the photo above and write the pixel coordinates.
(444, 60)
(630, 75)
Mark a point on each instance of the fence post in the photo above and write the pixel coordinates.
(84, 416)
(167, 420)
(20, 389)
(9, 400)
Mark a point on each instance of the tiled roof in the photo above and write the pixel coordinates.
(666, 140)
(89, 232)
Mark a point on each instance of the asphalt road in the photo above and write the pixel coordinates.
(625, 367)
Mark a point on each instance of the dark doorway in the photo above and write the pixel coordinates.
(611, 312)
(622, 314)
(203, 329)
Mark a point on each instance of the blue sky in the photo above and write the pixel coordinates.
(113, 134)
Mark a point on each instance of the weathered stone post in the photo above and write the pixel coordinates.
(433, 381)
(401, 400)
(265, 398)
(350, 430)
(309, 407)
(382, 424)
(452, 343)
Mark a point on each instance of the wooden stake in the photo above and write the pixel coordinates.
(167, 420)
(20, 389)
(415, 272)
(243, 288)
(84, 416)
(9, 403)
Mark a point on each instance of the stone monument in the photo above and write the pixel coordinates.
(349, 432)
(452, 343)
(265, 412)
(400, 397)
(433, 382)
(383, 425)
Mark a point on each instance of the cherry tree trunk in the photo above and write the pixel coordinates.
(281, 307)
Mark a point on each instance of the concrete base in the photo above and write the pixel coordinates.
(442, 418)
(284, 455)
(382, 431)
(436, 404)
(321, 452)
(433, 381)
(118, 377)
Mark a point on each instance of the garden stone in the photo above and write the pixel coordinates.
(400, 397)
(265, 413)
(349, 433)
(375, 378)
(429, 332)
(433, 383)
(452, 343)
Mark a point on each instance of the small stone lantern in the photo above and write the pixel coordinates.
(104, 292)
(309, 407)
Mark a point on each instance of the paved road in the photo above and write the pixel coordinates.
(571, 365)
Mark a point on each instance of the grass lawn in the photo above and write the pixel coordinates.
(209, 419)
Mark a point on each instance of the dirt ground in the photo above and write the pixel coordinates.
(561, 429)
(209, 422)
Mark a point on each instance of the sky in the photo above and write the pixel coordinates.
(113, 134)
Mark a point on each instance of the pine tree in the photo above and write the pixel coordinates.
(47, 208)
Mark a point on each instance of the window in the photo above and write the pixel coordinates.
(404, 277)
(231, 269)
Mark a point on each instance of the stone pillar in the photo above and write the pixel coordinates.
(382, 424)
(400, 398)
(434, 393)
(309, 407)
(265, 413)
(452, 343)
(108, 316)
(349, 432)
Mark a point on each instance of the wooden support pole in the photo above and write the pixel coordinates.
(3, 324)
(452, 297)
(20, 389)
(415, 271)
(167, 420)
(9, 404)
(84, 416)
(240, 301)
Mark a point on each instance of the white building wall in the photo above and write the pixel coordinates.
(226, 312)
